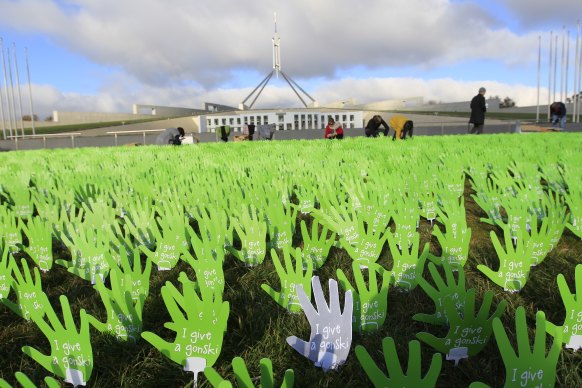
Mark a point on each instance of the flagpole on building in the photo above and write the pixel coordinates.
(11, 79)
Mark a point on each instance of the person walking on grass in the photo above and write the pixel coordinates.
(478, 109)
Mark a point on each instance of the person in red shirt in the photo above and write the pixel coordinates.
(334, 130)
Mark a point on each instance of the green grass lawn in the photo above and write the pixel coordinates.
(258, 327)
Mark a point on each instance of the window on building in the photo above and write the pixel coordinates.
(258, 120)
(344, 118)
(352, 118)
(215, 121)
(265, 119)
(281, 118)
(238, 120)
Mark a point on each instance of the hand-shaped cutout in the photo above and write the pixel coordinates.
(7, 265)
(290, 277)
(31, 298)
(208, 266)
(527, 367)
(515, 262)
(468, 333)
(71, 356)
(243, 378)
(571, 329)
(199, 323)
(124, 316)
(396, 376)
(251, 229)
(370, 304)
(316, 246)
(40, 242)
(451, 290)
(407, 262)
(331, 330)
(89, 250)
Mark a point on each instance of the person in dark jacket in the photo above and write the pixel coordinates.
(172, 136)
(558, 112)
(478, 109)
(373, 127)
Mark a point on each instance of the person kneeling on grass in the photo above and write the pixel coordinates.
(402, 127)
(173, 136)
(334, 130)
(373, 127)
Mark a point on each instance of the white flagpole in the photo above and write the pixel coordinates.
(18, 89)
(575, 94)
(567, 67)
(579, 88)
(2, 114)
(6, 88)
(539, 73)
(550, 74)
(555, 66)
(12, 106)
(562, 64)
(29, 91)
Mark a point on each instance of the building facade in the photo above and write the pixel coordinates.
(285, 120)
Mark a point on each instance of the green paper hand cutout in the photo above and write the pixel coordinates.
(396, 376)
(7, 265)
(468, 333)
(26, 382)
(455, 243)
(208, 266)
(316, 246)
(281, 225)
(366, 249)
(214, 223)
(141, 223)
(120, 243)
(290, 278)
(170, 239)
(527, 367)
(31, 298)
(89, 251)
(199, 323)
(71, 356)
(243, 378)
(124, 316)
(370, 304)
(407, 262)
(451, 290)
(489, 199)
(131, 276)
(406, 219)
(515, 262)
(40, 242)
(10, 232)
(571, 329)
(252, 232)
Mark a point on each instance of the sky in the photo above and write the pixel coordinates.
(105, 55)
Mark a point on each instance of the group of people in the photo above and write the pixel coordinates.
(479, 107)
(376, 126)
(400, 124)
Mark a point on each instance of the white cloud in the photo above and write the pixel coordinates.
(178, 41)
(182, 53)
(47, 98)
(532, 13)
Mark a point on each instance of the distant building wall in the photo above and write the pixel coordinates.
(92, 117)
(165, 111)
